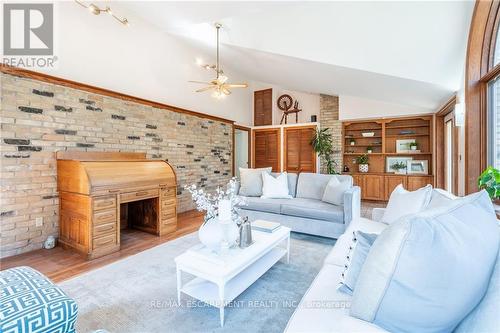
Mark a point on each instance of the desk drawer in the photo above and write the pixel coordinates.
(103, 241)
(168, 192)
(104, 216)
(105, 229)
(168, 203)
(138, 195)
(101, 203)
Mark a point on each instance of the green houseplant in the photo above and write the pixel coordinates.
(413, 145)
(362, 162)
(323, 145)
(369, 150)
(490, 181)
(399, 166)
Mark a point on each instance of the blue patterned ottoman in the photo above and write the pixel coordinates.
(31, 303)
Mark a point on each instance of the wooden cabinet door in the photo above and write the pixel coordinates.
(391, 182)
(266, 148)
(416, 182)
(263, 107)
(373, 187)
(299, 154)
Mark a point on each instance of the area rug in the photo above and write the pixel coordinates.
(138, 293)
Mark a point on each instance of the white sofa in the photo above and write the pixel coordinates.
(324, 309)
(305, 212)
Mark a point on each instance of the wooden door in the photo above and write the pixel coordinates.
(373, 187)
(391, 182)
(416, 182)
(266, 148)
(263, 107)
(299, 153)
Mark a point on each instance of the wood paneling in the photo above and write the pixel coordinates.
(391, 182)
(96, 90)
(263, 107)
(416, 182)
(267, 153)
(298, 151)
(60, 264)
(373, 187)
(479, 70)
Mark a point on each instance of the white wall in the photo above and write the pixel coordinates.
(138, 60)
(351, 107)
(241, 158)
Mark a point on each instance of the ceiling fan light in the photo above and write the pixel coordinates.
(94, 9)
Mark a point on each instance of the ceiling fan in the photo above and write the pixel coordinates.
(219, 85)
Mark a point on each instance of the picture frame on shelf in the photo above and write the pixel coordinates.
(390, 161)
(418, 167)
(403, 146)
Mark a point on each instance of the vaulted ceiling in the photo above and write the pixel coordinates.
(405, 52)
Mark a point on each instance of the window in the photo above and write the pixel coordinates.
(494, 122)
(482, 125)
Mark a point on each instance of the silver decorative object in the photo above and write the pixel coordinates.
(245, 233)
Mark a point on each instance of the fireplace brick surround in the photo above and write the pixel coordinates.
(39, 118)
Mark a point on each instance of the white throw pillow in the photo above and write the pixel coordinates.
(440, 198)
(334, 191)
(275, 188)
(426, 272)
(403, 202)
(251, 181)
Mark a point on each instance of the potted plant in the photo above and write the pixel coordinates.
(362, 163)
(400, 167)
(322, 144)
(352, 142)
(413, 146)
(369, 150)
(490, 181)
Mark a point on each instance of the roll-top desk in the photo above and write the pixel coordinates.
(101, 193)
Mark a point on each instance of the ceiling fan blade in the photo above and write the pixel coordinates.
(225, 90)
(205, 89)
(237, 85)
(201, 82)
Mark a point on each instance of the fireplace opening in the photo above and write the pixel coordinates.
(141, 215)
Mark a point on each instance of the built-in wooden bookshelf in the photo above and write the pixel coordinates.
(385, 135)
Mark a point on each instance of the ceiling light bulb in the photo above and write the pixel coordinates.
(94, 9)
(199, 61)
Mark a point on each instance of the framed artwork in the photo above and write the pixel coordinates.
(390, 161)
(403, 146)
(417, 167)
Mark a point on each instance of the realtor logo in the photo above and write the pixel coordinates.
(28, 29)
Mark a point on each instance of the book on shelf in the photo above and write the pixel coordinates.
(265, 226)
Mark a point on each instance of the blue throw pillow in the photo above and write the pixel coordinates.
(427, 271)
(361, 244)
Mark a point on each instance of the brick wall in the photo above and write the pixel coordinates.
(329, 118)
(38, 119)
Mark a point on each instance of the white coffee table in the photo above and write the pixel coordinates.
(220, 279)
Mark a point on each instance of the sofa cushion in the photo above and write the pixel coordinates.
(312, 185)
(338, 253)
(334, 191)
(484, 318)
(435, 263)
(275, 187)
(264, 205)
(403, 202)
(358, 251)
(324, 309)
(313, 209)
(292, 182)
(251, 181)
(440, 198)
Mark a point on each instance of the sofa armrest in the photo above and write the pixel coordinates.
(377, 214)
(352, 204)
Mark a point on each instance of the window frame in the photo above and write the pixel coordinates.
(479, 72)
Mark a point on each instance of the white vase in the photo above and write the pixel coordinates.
(363, 168)
(230, 232)
(211, 234)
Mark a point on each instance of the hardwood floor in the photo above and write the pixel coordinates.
(61, 264)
